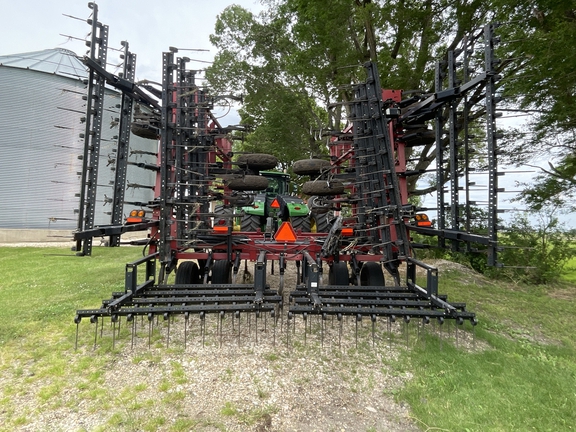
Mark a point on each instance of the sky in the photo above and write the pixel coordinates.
(150, 27)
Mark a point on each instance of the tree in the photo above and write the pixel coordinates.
(543, 36)
(536, 248)
(301, 56)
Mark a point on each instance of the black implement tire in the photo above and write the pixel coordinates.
(247, 183)
(145, 131)
(338, 274)
(222, 272)
(318, 205)
(310, 166)
(419, 137)
(301, 223)
(187, 273)
(250, 223)
(257, 161)
(371, 274)
(323, 188)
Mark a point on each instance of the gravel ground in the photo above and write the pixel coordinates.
(241, 376)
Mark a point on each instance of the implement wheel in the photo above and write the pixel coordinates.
(257, 161)
(323, 188)
(187, 273)
(310, 166)
(247, 183)
(222, 272)
(371, 274)
(338, 274)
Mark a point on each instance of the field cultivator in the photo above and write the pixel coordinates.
(360, 195)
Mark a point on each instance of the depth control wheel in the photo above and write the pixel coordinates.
(338, 274)
(312, 167)
(323, 188)
(371, 274)
(247, 183)
(257, 161)
(222, 272)
(187, 273)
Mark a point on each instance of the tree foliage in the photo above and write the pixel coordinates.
(543, 36)
(301, 56)
(536, 248)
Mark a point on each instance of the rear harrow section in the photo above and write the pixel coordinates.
(378, 301)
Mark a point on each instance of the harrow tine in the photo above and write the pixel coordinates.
(459, 322)
(220, 324)
(274, 323)
(406, 322)
(373, 318)
(305, 316)
(95, 336)
(425, 320)
(77, 321)
(113, 322)
(203, 328)
(323, 318)
(186, 318)
(288, 330)
(440, 330)
(94, 320)
(150, 324)
(256, 325)
(167, 318)
(358, 319)
(340, 332)
(238, 315)
(391, 319)
(132, 321)
(474, 322)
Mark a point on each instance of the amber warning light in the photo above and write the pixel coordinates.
(136, 216)
(422, 220)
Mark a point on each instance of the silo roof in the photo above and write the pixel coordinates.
(57, 61)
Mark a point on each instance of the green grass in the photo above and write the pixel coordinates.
(521, 375)
(569, 274)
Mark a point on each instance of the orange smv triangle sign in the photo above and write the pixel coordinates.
(285, 233)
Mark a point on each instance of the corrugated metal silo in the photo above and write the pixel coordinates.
(41, 107)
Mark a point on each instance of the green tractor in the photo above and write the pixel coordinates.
(275, 202)
(262, 196)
